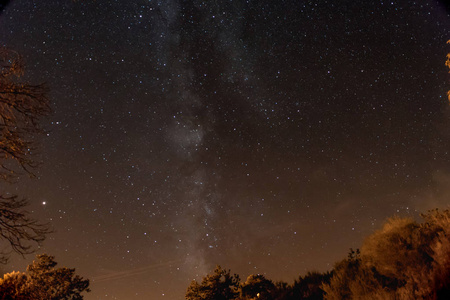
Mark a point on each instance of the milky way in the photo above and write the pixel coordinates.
(265, 136)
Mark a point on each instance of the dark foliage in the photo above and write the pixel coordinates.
(403, 260)
(221, 285)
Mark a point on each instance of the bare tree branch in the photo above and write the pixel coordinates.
(22, 105)
(18, 229)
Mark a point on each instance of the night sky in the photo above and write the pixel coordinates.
(265, 136)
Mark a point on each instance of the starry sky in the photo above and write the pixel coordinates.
(265, 136)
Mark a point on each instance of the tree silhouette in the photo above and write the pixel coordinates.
(220, 285)
(43, 281)
(21, 106)
(257, 287)
(402, 260)
(17, 228)
(309, 287)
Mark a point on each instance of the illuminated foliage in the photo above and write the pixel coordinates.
(403, 260)
(43, 281)
(14, 285)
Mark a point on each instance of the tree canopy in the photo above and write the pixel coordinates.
(403, 260)
(43, 281)
(220, 285)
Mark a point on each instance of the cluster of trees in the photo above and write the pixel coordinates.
(43, 281)
(221, 285)
(403, 260)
